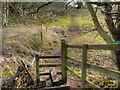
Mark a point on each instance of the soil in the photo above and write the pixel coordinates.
(100, 58)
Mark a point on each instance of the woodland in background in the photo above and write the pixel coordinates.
(48, 22)
(47, 12)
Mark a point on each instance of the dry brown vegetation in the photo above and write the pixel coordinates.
(23, 42)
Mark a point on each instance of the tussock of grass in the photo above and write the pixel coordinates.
(63, 21)
(27, 41)
(88, 38)
(84, 19)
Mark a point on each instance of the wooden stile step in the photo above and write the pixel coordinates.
(62, 87)
(50, 65)
(44, 57)
(49, 73)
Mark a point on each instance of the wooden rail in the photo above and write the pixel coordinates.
(82, 76)
(112, 73)
(37, 57)
(49, 57)
(49, 73)
(98, 47)
(50, 65)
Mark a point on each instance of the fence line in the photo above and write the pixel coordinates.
(64, 57)
(80, 78)
(98, 47)
(113, 73)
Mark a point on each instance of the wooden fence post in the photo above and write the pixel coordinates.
(118, 86)
(84, 64)
(42, 46)
(37, 69)
(64, 60)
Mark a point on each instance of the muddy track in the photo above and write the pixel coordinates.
(71, 33)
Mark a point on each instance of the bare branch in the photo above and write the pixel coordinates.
(108, 13)
(110, 23)
(66, 8)
(103, 3)
(41, 7)
(62, 12)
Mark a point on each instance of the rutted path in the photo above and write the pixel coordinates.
(72, 32)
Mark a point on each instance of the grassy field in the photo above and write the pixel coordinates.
(22, 41)
(82, 19)
(26, 40)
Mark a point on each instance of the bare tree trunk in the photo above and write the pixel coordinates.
(0, 44)
(5, 14)
(117, 53)
(100, 30)
(113, 28)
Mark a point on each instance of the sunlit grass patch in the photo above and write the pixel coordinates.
(84, 18)
(63, 21)
(88, 38)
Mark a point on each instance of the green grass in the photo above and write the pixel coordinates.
(63, 21)
(88, 38)
(84, 19)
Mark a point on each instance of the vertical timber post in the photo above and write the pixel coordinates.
(5, 13)
(41, 34)
(118, 86)
(37, 69)
(84, 64)
(64, 60)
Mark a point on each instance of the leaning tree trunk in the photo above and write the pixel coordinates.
(118, 37)
(117, 53)
(114, 28)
